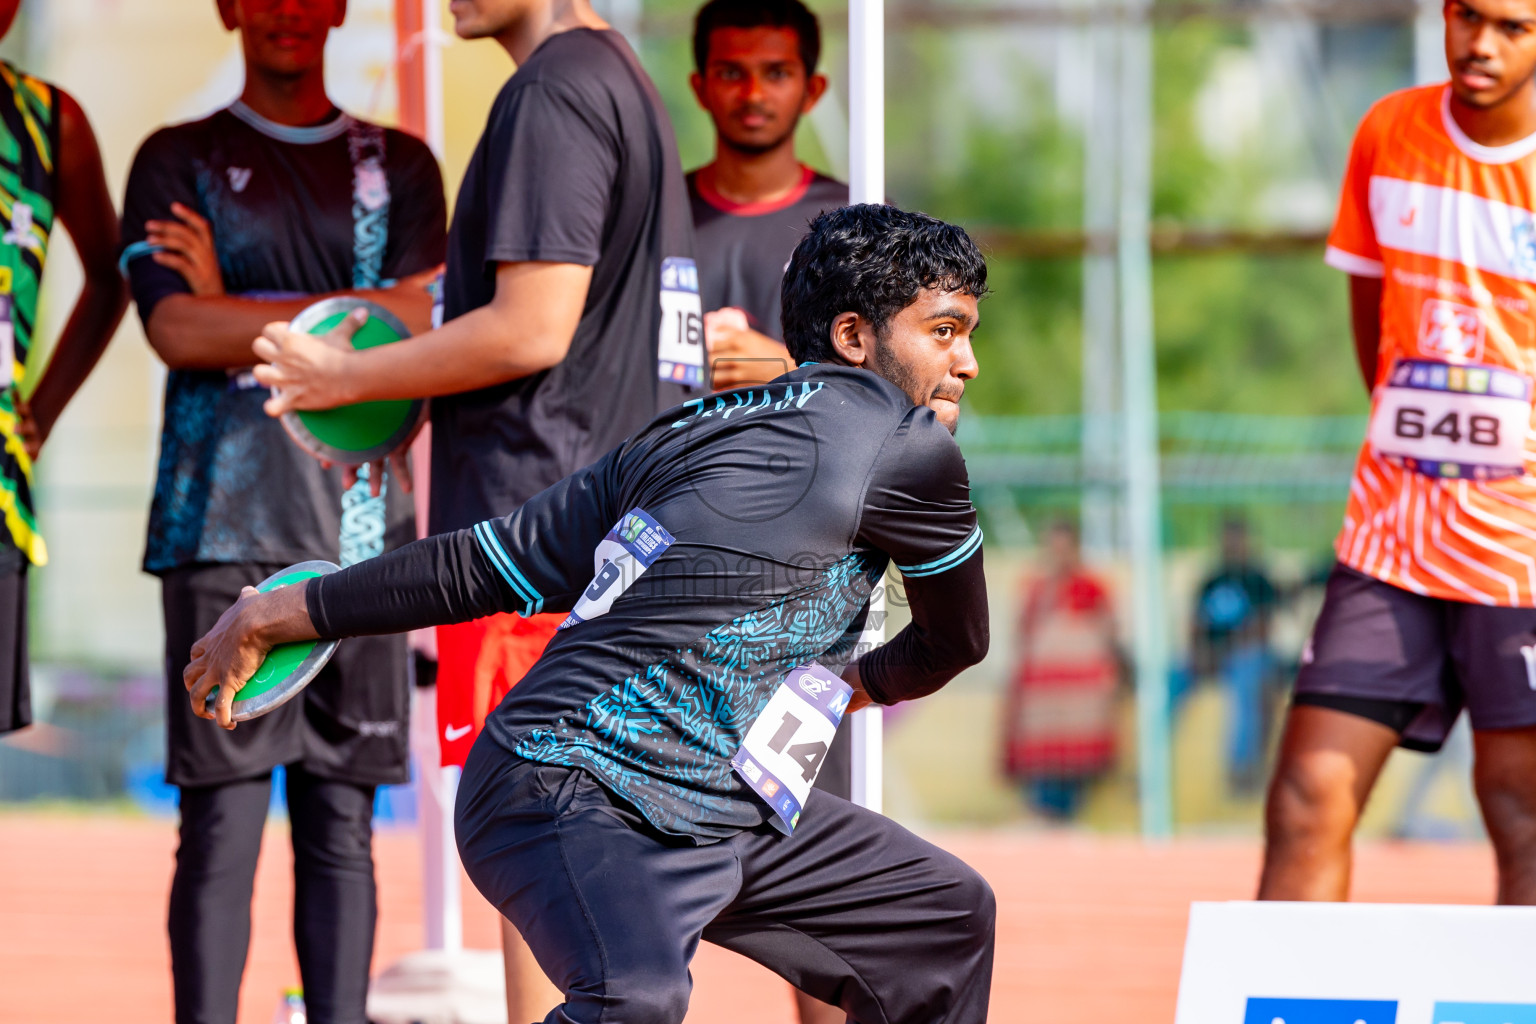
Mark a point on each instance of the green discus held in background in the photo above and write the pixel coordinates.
(288, 668)
(367, 431)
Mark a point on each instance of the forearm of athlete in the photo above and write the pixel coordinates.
(527, 327)
(1365, 319)
(85, 208)
(214, 332)
(949, 632)
(430, 582)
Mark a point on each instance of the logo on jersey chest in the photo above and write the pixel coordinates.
(1451, 330)
(20, 231)
(239, 177)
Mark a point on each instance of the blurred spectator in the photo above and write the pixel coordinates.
(1233, 613)
(1060, 715)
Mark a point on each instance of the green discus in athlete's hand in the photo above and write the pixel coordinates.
(352, 435)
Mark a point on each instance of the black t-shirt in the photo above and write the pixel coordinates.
(294, 211)
(743, 249)
(785, 503)
(1234, 605)
(577, 165)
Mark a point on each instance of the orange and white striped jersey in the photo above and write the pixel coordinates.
(1443, 502)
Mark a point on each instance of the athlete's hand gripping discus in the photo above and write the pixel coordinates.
(352, 435)
(288, 668)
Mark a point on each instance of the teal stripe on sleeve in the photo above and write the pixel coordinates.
(965, 549)
(532, 602)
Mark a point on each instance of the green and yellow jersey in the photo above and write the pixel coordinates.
(28, 144)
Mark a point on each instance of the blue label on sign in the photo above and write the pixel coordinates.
(1320, 1011)
(1485, 1013)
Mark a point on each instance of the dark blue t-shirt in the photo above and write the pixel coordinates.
(294, 211)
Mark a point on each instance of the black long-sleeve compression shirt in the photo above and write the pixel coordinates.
(731, 541)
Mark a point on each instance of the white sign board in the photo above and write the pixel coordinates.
(1358, 963)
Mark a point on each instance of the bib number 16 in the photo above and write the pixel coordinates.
(680, 349)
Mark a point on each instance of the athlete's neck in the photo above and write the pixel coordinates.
(753, 177)
(526, 34)
(287, 99)
(1499, 125)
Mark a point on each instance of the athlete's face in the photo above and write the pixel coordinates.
(485, 19)
(1490, 46)
(756, 87)
(283, 37)
(925, 349)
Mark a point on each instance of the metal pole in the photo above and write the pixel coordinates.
(419, 80)
(866, 184)
(1139, 443)
(1101, 469)
(1429, 43)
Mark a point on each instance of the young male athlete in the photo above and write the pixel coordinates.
(628, 798)
(571, 315)
(231, 221)
(756, 77)
(1430, 608)
(50, 168)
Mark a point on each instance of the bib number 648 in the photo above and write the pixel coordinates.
(1411, 423)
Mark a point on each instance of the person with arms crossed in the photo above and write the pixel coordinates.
(50, 167)
(1432, 605)
(571, 316)
(248, 215)
(756, 77)
(638, 790)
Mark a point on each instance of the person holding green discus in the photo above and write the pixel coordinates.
(50, 169)
(251, 214)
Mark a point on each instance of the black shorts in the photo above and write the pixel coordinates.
(1377, 642)
(15, 680)
(349, 725)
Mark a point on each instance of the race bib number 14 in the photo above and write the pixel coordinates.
(783, 751)
(681, 351)
(1464, 421)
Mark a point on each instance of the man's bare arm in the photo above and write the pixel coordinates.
(214, 332)
(1365, 318)
(85, 208)
(526, 328)
(231, 652)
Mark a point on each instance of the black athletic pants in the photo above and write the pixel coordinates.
(852, 909)
(334, 899)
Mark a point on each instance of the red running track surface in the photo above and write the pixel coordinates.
(1090, 929)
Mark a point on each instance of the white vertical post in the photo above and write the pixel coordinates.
(866, 184)
(1101, 391)
(866, 101)
(1429, 43)
(442, 906)
(1139, 442)
(432, 40)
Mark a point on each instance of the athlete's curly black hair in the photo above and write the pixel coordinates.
(872, 260)
(790, 14)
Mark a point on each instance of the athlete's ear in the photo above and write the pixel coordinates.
(815, 88)
(852, 338)
(696, 82)
(227, 14)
